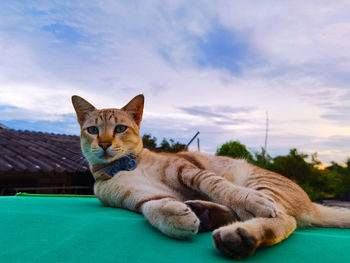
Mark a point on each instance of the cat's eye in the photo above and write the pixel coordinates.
(92, 130)
(120, 128)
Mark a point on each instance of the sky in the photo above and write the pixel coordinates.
(211, 66)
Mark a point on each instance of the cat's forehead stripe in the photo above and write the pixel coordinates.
(111, 117)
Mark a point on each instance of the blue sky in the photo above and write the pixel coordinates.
(212, 66)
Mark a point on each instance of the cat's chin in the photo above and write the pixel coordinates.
(101, 159)
(107, 158)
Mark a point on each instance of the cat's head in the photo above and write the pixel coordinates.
(109, 134)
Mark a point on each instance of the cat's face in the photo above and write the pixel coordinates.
(109, 134)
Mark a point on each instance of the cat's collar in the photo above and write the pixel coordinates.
(125, 163)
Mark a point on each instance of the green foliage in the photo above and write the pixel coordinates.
(171, 146)
(234, 149)
(340, 175)
(313, 180)
(165, 146)
(263, 160)
(294, 167)
(149, 141)
(318, 183)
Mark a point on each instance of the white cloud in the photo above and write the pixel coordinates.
(13, 114)
(122, 49)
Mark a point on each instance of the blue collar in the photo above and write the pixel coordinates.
(125, 163)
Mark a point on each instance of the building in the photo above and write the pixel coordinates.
(37, 162)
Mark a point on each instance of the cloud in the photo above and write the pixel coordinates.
(189, 59)
(339, 114)
(67, 126)
(8, 113)
(221, 115)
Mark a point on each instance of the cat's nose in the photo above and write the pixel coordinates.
(104, 145)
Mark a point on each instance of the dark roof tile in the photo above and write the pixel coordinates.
(35, 151)
(5, 165)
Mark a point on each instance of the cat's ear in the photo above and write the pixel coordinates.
(82, 108)
(135, 108)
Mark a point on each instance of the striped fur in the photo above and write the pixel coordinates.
(218, 189)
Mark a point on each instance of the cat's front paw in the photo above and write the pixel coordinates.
(173, 218)
(256, 204)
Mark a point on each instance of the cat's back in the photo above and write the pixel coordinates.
(234, 170)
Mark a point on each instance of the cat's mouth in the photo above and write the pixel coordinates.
(107, 156)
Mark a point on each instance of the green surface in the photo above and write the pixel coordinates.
(54, 195)
(74, 229)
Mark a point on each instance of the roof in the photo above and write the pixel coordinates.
(38, 151)
(77, 229)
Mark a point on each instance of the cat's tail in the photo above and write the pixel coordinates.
(325, 216)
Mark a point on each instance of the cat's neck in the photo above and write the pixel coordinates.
(108, 170)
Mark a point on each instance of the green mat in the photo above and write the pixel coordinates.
(76, 229)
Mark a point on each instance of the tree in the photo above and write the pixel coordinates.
(317, 183)
(171, 146)
(165, 146)
(234, 149)
(263, 160)
(149, 141)
(340, 175)
(177, 146)
(293, 166)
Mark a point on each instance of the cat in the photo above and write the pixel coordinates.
(188, 192)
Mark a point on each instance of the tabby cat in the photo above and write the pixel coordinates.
(184, 193)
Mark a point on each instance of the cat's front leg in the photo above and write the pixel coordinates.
(247, 203)
(171, 217)
(251, 203)
(156, 202)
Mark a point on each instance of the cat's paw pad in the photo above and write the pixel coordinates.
(259, 204)
(236, 242)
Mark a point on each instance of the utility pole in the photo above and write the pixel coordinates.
(194, 137)
(198, 147)
(266, 136)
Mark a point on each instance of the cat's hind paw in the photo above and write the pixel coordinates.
(211, 215)
(236, 242)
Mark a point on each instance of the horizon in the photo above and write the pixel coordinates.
(214, 67)
(321, 166)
